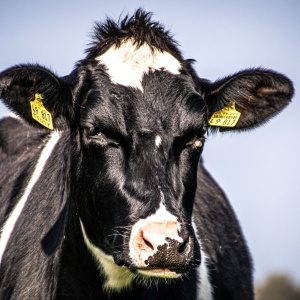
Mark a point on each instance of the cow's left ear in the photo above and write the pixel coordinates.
(37, 95)
(247, 99)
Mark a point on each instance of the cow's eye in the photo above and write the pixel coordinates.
(194, 141)
(91, 131)
(198, 143)
(100, 138)
(96, 136)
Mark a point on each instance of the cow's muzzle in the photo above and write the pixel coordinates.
(161, 248)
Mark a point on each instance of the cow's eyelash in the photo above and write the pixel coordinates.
(96, 136)
(100, 137)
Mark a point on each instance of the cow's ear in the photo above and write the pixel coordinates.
(37, 95)
(247, 99)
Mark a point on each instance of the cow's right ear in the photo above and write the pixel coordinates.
(37, 95)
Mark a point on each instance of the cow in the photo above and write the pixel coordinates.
(103, 190)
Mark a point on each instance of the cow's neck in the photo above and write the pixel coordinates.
(80, 275)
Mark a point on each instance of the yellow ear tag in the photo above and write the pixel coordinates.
(226, 117)
(40, 113)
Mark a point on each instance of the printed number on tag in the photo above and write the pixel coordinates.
(226, 117)
(40, 113)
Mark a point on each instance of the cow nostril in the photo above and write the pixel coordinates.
(146, 241)
(148, 244)
(182, 248)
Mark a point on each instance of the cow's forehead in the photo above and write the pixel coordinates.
(167, 103)
(127, 63)
(146, 87)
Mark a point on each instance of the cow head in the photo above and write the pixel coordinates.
(137, 114)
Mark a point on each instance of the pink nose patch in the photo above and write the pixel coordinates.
(157, 243)
(153, 235)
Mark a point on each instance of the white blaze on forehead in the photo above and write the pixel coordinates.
(128, 63)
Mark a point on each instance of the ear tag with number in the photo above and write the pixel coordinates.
(226, 117)
(40, 113)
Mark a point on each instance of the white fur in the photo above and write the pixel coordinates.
(205, 290)
(13, 115)
(128, 63)
(158, 141)
(9, 225)
(117, 278)
(204, 286)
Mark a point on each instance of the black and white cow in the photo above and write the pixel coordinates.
(113, 202)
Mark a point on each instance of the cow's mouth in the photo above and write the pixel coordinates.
(160, 273)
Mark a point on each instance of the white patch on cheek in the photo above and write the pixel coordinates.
(158, 141)
(128, 63)
(117, 278)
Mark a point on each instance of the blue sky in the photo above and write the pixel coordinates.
(259, 170)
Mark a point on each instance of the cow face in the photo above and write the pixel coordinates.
(136, 166)
(137, 114)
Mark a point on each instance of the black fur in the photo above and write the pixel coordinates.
(106, 171)
(139, 27)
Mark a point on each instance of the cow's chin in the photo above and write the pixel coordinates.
(119, 277)
(159, 273)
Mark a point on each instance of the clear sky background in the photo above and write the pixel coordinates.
(259, 170)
